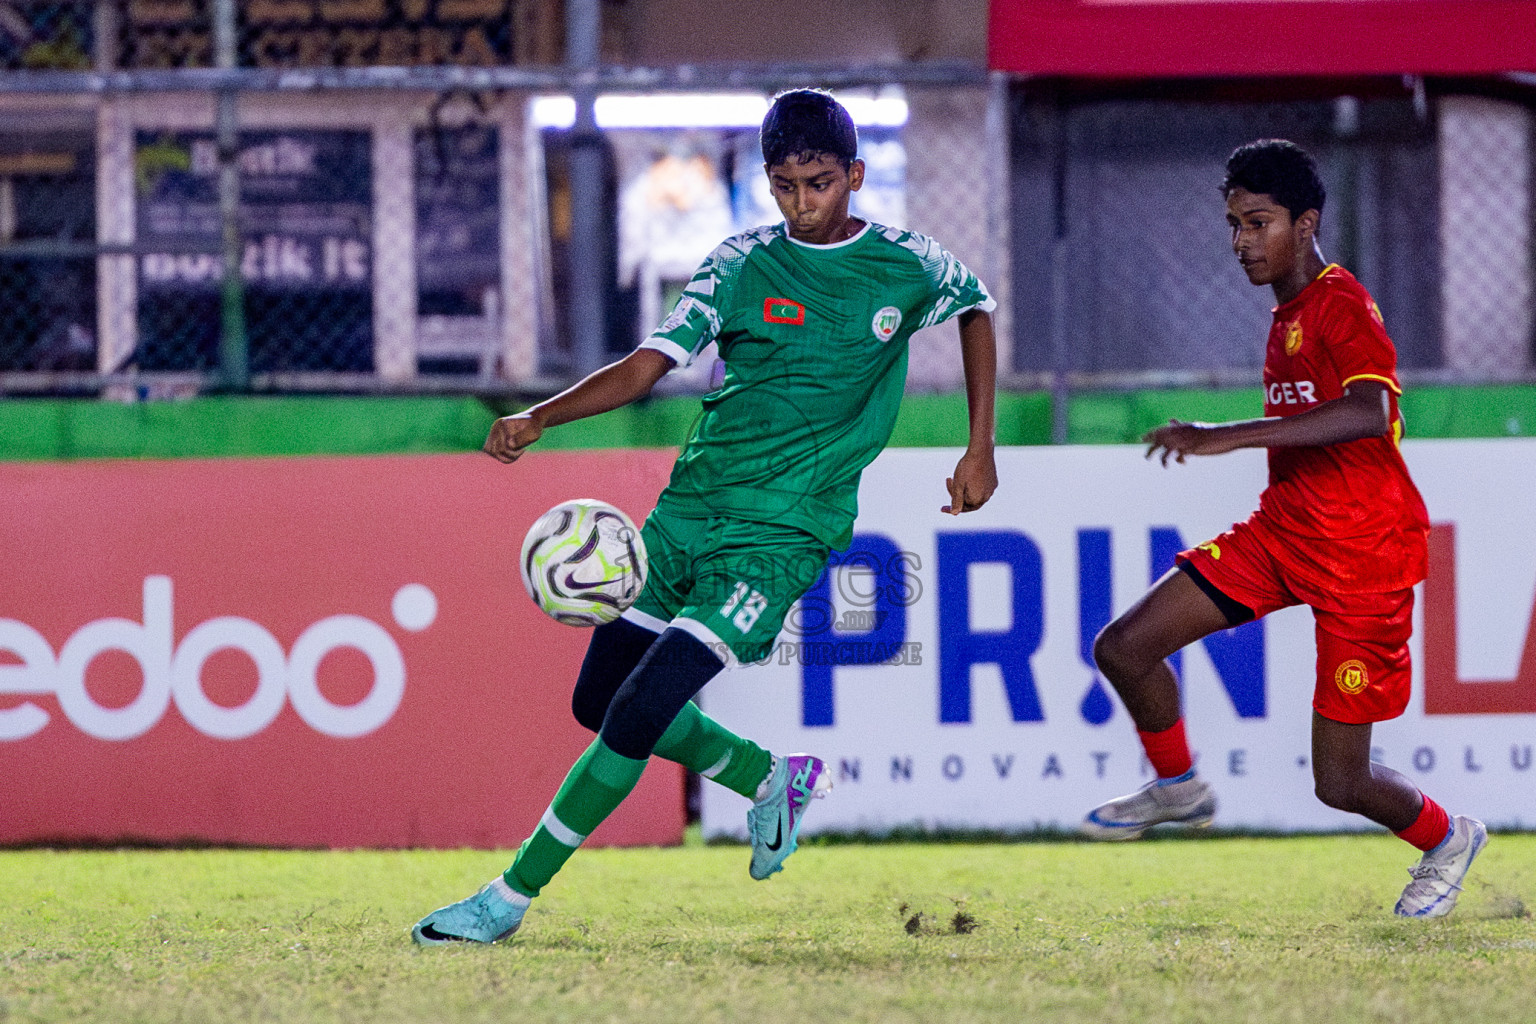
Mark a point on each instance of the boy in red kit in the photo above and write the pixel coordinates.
(1340, 528)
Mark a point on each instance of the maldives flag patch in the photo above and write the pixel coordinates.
(783, 311)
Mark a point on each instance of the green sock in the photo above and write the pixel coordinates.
(703, 745)
(596, 784)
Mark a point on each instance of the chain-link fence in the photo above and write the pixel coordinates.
(396, 238)
(402, 215)
(77, 35)
(47, 259)
(1123, 271)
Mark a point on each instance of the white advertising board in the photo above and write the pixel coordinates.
(988, 714)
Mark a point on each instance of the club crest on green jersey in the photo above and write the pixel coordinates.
(886, 321)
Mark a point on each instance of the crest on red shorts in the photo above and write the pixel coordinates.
(1351, 677)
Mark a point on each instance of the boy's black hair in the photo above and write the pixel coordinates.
(1280, 169)
(806, 123)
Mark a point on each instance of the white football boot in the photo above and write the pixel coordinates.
(1438, 875)
(1186, 800)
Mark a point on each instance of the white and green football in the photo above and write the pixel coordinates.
(583, 562)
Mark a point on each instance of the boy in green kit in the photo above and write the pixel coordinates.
(812, 319)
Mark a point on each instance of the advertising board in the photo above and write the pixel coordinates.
(338, 652)
(1301, 37)
(956, 688)
(295, 652)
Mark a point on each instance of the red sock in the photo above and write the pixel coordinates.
(1168, 751)
(1429, 829)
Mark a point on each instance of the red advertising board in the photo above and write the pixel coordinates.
(295, 652)
(1119, 38)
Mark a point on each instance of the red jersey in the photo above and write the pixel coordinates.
(1352, 521)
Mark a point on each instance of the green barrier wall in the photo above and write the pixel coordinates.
(1507, 411)
(40, 429)
(215, 427)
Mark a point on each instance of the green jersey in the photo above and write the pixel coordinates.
(814, 341)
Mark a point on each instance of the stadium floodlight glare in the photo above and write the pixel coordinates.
(699, 110)
(704, 110)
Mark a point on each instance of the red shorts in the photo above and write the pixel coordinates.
(1363, 669)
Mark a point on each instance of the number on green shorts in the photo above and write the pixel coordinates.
(748, 605)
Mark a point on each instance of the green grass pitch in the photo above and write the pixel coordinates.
(1232, 929)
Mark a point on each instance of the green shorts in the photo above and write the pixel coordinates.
(729, 582)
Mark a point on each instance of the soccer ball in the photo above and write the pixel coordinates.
(583, 562)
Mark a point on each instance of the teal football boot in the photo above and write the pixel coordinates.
(491, 914)
(773, 823)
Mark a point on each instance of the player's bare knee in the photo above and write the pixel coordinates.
(1116, 655)
(1340, 792)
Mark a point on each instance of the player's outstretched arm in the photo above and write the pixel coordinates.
(615, 385)
(1362, 411)
(976, 474)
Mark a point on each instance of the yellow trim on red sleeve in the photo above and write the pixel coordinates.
(1388, 381)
